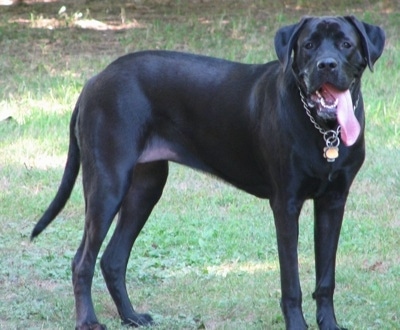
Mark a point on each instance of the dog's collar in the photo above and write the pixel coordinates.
(331, 137)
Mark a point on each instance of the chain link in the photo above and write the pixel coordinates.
(331, 137)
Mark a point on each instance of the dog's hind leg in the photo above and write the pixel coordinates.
(106, 176)
(147, 184)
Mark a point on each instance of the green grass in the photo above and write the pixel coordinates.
(207, 257)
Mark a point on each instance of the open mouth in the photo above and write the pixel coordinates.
(326, 101)
(333, 104)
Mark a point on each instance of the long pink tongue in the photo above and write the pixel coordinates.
(350, 128)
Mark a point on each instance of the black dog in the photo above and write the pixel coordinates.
(288, 130)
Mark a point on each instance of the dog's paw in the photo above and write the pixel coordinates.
(94, 326)
(139, 320)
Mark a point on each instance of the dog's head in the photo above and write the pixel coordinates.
(330, 55)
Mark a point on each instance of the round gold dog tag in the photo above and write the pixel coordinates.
(331, 153)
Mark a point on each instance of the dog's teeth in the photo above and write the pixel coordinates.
(329, 106)
(323, 102)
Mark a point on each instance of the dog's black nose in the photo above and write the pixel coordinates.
(327, 64)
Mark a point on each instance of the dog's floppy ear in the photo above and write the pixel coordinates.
(285, 39)
(372, 40)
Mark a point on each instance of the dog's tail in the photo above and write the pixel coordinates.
(71, 172)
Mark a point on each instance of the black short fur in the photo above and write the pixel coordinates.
(243, 123)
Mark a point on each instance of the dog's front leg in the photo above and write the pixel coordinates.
(329, 210)
(286, 214)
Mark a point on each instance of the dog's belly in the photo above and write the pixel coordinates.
(247, 178)
(162, 152)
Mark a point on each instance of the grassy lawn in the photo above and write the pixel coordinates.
(207, 258)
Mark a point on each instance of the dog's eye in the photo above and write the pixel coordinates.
(346, 45)
(309, 45)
